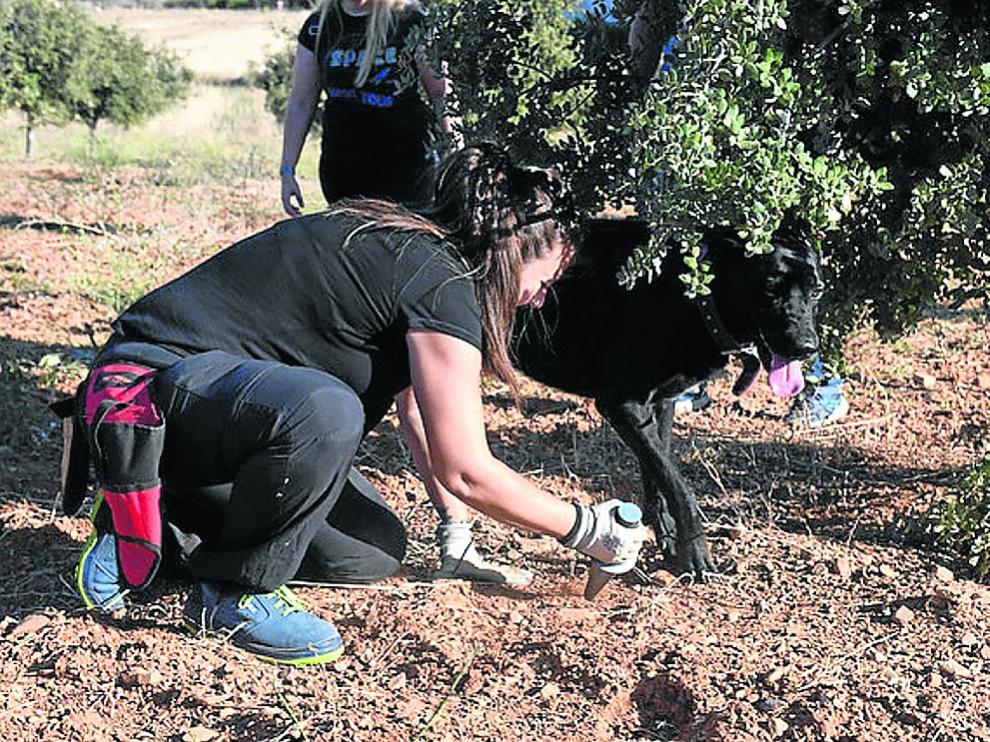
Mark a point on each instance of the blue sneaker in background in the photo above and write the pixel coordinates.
(275, 626)
(693, 399)
(821, 404)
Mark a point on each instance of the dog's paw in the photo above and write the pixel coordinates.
(696, 559)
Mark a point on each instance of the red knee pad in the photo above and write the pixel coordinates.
(126, 440)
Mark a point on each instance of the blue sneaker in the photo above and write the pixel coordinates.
(693, 399)
(823, 404)
(98, 577)
(275, 626)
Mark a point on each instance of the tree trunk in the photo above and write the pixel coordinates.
(29, 138)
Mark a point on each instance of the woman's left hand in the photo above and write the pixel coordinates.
(291, 192)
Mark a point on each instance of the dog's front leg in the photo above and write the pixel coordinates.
(667, 492)
(657, 514)
(692, 546)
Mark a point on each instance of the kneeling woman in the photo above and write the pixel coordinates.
(247, 384)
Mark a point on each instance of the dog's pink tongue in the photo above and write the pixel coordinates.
(785, 379)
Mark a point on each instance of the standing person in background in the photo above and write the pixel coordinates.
(378, 142)
(378, 134)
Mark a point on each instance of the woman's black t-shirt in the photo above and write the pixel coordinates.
(384, 114)
(313, 291)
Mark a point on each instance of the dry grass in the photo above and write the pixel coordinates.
(218, 45)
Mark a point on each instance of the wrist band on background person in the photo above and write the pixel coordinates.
(287, 170)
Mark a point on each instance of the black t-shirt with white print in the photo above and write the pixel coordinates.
(312, 292)
(386, 113)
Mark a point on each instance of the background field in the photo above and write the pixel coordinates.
(830, 622)
(221, 132)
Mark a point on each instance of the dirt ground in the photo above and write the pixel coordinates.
(831, 621)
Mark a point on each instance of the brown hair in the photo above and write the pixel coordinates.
(499, 216)
(495, 216)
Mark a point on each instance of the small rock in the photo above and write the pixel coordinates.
(30, 625)
(935, 681)
(733, 531)
(985, 651)
(199, 734)
(843, 568)
(927, 381)
(776, 675)
(779, 726)
(515, 617)
(904, 615)
(733, 616)
(944, 575)
(550, 690)
(983, 380)
(887, 571)
(398, 682)
(940, 601)
(969, 639)
(150, 678)
(955, 669)
(769, 705)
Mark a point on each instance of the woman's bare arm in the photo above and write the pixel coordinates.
(446, 375)
(298, 117)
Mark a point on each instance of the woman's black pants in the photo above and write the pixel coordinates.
(258, 478)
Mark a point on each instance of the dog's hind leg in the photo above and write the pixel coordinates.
(667, 492)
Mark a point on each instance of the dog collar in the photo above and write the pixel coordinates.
(716, 327)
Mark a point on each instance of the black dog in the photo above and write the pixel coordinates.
(635, 351)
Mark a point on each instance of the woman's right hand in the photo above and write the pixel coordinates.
(598, 533)
(290, 191)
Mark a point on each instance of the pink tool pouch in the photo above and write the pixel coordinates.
(126, 435)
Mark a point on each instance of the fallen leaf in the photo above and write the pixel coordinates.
(199, 734)
(904, 615)
(944, 575)
(955, 669)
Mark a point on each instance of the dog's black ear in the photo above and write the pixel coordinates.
(750, 370)
(794, 230)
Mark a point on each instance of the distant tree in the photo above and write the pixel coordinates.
(275, 78)
(40, 42)
(118, 79)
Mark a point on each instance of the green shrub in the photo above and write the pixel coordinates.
(863, 122)
(962, 524)
(275, 78)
